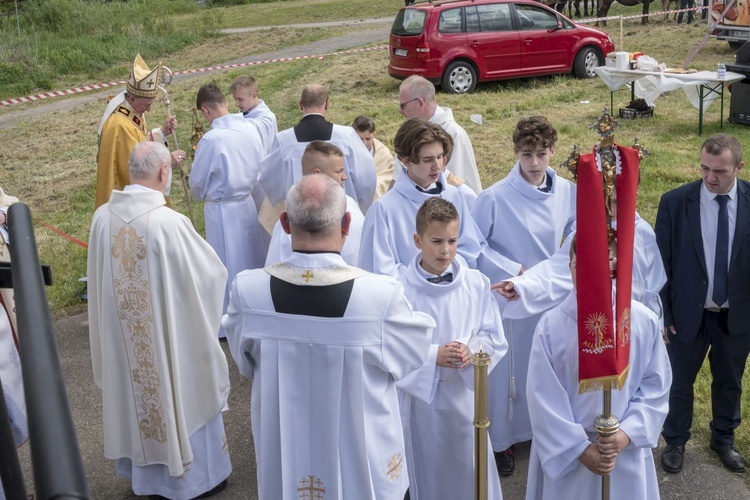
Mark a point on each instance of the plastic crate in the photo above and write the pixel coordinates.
(629, 114)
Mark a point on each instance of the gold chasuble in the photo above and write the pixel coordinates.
(122, 131)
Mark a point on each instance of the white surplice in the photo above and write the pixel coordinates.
(283, 166)
(440, 433)
(324, 408)
(155, 294)
(462, 162)
(525, 226)
(548, 283)
(264, 120)
(281, 243)
(224, 174)
(563, 420)
(388, 234)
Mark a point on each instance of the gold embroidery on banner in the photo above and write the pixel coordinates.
(623, 328)
(596, 325)
(131, 285)
(311, 488)
(394, 466)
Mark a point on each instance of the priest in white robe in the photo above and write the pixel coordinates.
(439, 433)
(325, 343)
(525, 223)
(155, 296)
(563, 420)
(282, 167)
(417, 100)
(322, 158)
(224, 174)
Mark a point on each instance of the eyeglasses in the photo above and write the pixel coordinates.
(403, 104)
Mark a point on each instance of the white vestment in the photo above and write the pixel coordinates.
(548, 283)
(462, 162)
(264, 121)
(439, 433)
(10, 375)
(155, 294)
(525, 226)
(563, 420)
(281, 243)
(325, 412)
(283, 166)
(224, 173)
(388, 234)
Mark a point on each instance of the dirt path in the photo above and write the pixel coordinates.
(373, 30)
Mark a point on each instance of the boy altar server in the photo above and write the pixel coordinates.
(244, 90)
(322, 158)
(224, 174)
(440, 434)
(567, 458)
(325, 343)
(387, 235)
(524, 218)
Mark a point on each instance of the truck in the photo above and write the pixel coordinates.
(734, 26)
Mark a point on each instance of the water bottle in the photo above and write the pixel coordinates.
(721, 71)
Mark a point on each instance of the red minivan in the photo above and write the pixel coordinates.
(457, 43)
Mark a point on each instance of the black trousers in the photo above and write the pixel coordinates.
(686, 4)
(727, 356)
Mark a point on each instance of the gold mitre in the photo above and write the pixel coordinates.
(143, 82)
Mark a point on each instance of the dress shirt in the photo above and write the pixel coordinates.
(709, 219)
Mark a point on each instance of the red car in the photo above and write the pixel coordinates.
(457, 43)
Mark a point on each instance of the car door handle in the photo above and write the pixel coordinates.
(528, 41)
(474, 44)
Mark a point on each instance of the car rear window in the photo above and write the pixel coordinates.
(408, 22)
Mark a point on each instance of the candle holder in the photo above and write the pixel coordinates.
(482, 349)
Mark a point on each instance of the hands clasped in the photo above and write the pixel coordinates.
(453, 355)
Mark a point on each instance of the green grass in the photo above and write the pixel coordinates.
(56, 176)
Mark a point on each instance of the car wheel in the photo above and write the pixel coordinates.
(459, 77)
(586, 60)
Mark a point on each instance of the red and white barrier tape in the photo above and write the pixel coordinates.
(87, 88)
(638, 16)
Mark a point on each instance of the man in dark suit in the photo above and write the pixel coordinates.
(702, 232)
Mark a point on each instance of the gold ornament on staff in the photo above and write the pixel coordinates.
(166, 79)
(482, 349)
(197, 131)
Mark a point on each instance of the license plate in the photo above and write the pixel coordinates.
(401, 52)
(739, 34)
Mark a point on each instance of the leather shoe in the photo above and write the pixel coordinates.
(730, 457)
(505, 462)
(672, 457)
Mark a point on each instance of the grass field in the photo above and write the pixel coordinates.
(50, 162)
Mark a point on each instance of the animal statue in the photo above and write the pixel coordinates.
(604, 6)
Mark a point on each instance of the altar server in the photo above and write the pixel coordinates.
(567, 458)
(282, 168)
(365, 127)
(224, 173)
(325, 343)
(387, 235)
(244, 90)
(440, 434)
(155, 294)
(524, 218)
(322, 158)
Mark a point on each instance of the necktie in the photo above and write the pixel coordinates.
(719, 295)
(436, 190)
(447, 277)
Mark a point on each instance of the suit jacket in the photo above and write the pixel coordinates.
(678, 234)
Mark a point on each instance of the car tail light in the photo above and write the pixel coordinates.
(423, 50)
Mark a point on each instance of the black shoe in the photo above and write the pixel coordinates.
(505, 462)
(218, 489)
(730, 457)
(671, 458)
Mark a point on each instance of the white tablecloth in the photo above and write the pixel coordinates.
(651, 84)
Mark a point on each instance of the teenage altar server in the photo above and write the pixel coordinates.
(440, 434)
(282, 168)
(325, 343)
(524, 218)
(387, 236)
(567, 459)
(223, 175)
(322, 158)
(244, 90)
(155, 294)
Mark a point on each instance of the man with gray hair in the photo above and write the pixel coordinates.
(153, 319)
(416, 97)
(325, 343)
